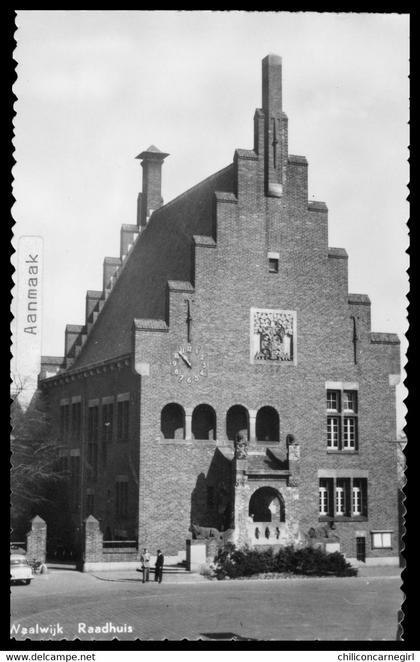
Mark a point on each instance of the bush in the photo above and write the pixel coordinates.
(232, 562)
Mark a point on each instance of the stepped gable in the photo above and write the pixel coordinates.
(162, 253)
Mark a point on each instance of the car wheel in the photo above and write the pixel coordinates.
(26, 581)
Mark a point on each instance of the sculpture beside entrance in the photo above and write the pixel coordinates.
(241, 445)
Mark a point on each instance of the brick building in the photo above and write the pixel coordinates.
(224, 375)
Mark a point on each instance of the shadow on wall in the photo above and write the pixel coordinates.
(211, 498)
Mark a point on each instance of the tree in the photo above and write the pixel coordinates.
(33, 471)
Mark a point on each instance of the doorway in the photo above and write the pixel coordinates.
(361, 549)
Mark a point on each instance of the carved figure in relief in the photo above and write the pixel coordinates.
(204, 532)
(275, 331)
(322, 532)
(241, 445)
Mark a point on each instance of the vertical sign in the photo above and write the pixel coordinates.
(26, 362)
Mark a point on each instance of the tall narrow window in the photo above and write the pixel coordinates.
(92, 458)
(323, 500)
(359, 497)
(76, 420)
(339, 500)
(333, 427)
(64, 421)
(93, 418)
(107, 422)
(349, 433)
(342, 420)
(122, 420)
(121, 498)
(356, 501)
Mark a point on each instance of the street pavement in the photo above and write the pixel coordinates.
(102, 606)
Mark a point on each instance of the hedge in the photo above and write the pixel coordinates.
(232, 562)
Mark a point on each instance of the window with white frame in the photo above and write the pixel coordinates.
(323, 499)
(349, 433)
(333, 432)
(381, 539)
(356, 503)
(350, 401)
(343, 497)
(342, 420)
(333, 401)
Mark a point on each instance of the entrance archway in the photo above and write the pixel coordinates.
(267, 505)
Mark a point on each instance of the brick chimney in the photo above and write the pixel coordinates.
(151, 197)
(275, 126)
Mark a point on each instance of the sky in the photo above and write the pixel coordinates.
(95, 88)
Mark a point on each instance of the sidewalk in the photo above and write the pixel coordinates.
(171, 575)
(380, 571)
(180, 576)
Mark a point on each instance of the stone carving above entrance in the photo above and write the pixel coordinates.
(273, 336)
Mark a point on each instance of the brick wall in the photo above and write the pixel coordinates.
(214, 240)
(115, 458)
(230, 278)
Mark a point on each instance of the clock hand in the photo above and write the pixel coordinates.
(184, 358)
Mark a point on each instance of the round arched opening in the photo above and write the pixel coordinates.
(204, 422)
(236, 419)
(172, 421)
(267, 425)
(266, 505)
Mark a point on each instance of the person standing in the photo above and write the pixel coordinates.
(159, 566)
(145, 565)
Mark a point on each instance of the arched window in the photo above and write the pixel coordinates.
(236, 419)
(172, 421)
(267, 425)
(267, 505)
(204, 422)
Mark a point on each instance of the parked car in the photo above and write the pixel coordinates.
(20, 569)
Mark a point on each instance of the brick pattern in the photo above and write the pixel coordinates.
(36, 540)
(227, 277)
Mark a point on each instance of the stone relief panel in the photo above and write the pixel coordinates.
(273, 336)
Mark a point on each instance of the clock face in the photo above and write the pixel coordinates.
(189, 363)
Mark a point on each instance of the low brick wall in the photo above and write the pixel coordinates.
(97, 556)
(120, 555)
